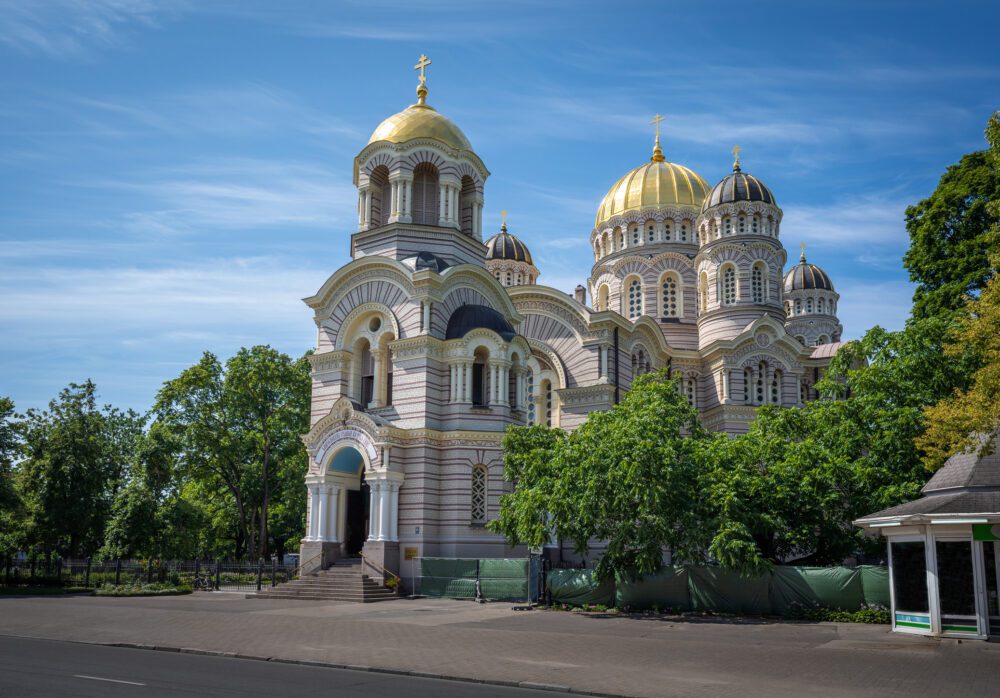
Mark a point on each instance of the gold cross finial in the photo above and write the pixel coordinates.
(657, 153)
(422, 87)
(736, 154)
(503, 220)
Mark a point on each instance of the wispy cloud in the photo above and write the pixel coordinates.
(73, 28)
(231, 194)
(867, 222)
(866, 303)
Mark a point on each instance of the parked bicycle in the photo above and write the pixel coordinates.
(203, 584)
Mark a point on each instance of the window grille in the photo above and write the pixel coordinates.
(669, 296)
(757, 284)
(729, 286)
(634, 299)
(479, 494)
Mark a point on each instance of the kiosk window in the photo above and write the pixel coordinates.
(909, 576)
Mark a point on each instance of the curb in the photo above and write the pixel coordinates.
(551, 687)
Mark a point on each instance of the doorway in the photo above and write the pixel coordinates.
(356, 524)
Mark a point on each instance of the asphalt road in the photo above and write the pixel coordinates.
(52, 668)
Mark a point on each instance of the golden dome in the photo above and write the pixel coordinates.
(657, 183)
(420, 121)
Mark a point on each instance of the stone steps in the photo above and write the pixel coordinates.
(342, 581)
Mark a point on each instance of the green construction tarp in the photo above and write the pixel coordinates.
(668, 588)
(813, 587)
(715, 589)
(578, 587)
(503, 579)
(875, 584)
(448, 577)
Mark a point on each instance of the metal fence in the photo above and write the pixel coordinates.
(207, 575)
(511, 579)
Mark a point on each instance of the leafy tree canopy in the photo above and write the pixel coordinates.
(952, 231)
(627, 477)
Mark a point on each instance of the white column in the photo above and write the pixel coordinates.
(603, 361)
(407, 197)
(519, 388)
(394, 512)
(313, 512)
(378, 378)
(442, 193)
(798, 390)
(383, 511)
(456, 215)
(466, 381)
(320, 513)
(368, 208)
(725, 385)
(373, 509)
(504, 385)
(332, 499)
(427, 317)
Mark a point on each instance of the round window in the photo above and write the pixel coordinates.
(374, 324)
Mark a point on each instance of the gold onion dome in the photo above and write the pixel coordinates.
(806, 277)
(420, 120)
(654, 184)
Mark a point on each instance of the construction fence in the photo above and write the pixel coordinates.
(516, 579)
(702, 588)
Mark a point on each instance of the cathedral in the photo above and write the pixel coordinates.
(432, 340)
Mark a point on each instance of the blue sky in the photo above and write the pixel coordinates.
(176, 176)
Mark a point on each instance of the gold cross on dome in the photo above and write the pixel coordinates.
(656, 121)
(736, 153)
(503, 219)
(421, 64)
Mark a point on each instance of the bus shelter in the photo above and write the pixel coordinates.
(944, 549)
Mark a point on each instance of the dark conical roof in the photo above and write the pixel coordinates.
(805, 276)
(738, 186)
(503, 245)
(470, 317)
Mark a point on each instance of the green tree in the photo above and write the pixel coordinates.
(75, 455)
(953, 230)
(237, 427)
(12, 509)
(628, 477)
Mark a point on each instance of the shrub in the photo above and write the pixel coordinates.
(874, 614)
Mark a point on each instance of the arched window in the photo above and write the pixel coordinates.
(727, 227)
(602, 297)
(690, 391)
(634, 299)
(531, 397)
(742, 227)
(378, 183)
(759, 384)
(821, 306)
(546, 396)
(635, 235)
(776, 387)
(822, 339)
(757, 282)
(366, 374)
(798, 306)
(809, 305)
(668, 230)
(802, 340)
(619, 240)
(466, 209)
(478, 495)
(755, 224)
(607, 243)
(425, 194)
(509, 280)
(670, 295)
(748, 386)
(480, 378)
(650, 231)
(728, 285)
(685, 226)
(704, 292)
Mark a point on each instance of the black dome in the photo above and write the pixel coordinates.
(471, 317)
(503, 245)
(739, 186)
(806, 276)
(425, 260)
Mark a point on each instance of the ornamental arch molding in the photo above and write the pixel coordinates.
(348, 330)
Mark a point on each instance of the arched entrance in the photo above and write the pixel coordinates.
(347, 468)
(357, 520)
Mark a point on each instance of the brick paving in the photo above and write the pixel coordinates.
(616, 655)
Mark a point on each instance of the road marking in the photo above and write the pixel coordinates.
(98, 678)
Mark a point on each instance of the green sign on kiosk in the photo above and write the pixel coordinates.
(985, 532)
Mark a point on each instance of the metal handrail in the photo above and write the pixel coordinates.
(298, 568)
(381, 568)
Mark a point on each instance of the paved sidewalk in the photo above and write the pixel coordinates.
(620, 656)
